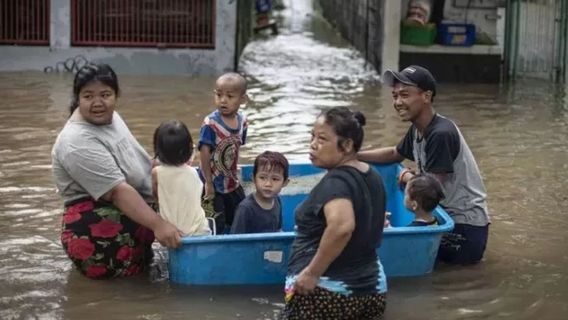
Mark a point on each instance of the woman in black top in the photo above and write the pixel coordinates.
(334, 271)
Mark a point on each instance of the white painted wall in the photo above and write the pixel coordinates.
(129, 60)
(391, 39)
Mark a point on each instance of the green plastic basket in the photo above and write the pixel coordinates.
(419, 35)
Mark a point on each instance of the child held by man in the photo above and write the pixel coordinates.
(175, 184)
(220, 138)
(261, 211)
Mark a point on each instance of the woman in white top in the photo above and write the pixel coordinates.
(175, 183)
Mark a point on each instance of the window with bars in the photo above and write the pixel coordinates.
(143, 23)
(24, 22)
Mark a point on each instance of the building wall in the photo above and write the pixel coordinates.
(129, 60)
(362, 23)
(373, 27)
(245, 20)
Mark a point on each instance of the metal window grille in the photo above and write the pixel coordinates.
(24, 22)
(143, 23)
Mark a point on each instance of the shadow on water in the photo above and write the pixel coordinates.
(517, 132)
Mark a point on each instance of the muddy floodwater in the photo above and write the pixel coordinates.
(518, 134)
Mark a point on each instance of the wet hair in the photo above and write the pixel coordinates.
(172, 143)
(272, 160)
(92, 72)
(236, 78)
(426, 190)
(346, 124)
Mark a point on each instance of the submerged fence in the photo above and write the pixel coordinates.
(143, 23)
(24, 22)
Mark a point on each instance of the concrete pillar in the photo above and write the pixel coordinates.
(391, 43)
(225, 35)
(60, 24)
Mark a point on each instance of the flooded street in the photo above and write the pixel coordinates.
(518, 134)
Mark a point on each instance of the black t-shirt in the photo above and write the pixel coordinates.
(357, 265)
(250, 217)
(440, 146)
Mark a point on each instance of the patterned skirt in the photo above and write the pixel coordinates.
(324, 304)
(103, 242)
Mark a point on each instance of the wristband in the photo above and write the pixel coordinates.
(402, 174)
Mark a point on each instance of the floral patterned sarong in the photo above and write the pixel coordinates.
(103, 242)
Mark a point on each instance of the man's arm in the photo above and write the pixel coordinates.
(380, 155)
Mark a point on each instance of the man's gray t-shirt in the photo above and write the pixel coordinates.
(89, 160)
(443, 150)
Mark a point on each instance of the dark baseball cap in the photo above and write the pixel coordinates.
(414, 75)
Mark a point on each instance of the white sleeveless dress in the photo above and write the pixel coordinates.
(179, 198)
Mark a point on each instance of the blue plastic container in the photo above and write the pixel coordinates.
(262, 258)
(456, 34)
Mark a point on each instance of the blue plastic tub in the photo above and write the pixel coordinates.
(262, 258)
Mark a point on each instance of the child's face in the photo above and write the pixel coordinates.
(269, 181)
(228, 96)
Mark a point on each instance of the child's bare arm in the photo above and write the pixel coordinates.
(204, 157)
(155, 183)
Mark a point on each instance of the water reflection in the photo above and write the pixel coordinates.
(518, 134)
(296, 75)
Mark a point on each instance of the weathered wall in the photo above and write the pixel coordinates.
(129, 60)
(360, 22)
(245, 20)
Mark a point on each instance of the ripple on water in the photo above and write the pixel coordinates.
(291, 88)
(517, 133)
(20, 189)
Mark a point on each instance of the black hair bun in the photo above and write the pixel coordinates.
(360, 118)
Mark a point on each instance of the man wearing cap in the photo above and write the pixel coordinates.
(437, 147)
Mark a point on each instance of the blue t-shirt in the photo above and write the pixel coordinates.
(225, 143)
(250, 217)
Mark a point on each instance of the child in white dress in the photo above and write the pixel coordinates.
(176, 185)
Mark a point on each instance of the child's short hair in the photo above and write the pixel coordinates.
(237, 78)
(272, 160)
(426, 190)
(172, 143)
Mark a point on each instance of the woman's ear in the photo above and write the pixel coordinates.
(347, 145)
